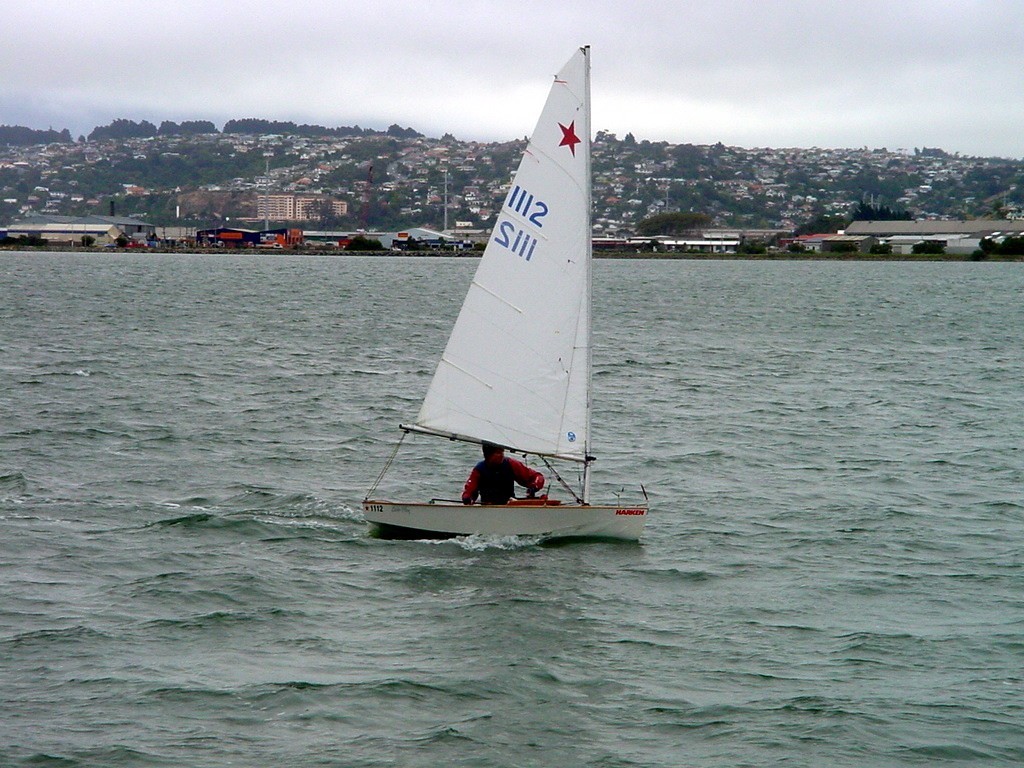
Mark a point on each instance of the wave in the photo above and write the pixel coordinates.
(82, 372)
(947, 753)
(223, 618)
(76, 633)
(260, 507)
(673, 575)
(264, 527)
(48, 760)
(480, 543)
(195, 519)
(12, 486)
(386, 688)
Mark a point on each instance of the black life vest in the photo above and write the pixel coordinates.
(497, 484)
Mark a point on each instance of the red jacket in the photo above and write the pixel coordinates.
(496, 481)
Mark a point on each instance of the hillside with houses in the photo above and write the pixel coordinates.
(400, 178)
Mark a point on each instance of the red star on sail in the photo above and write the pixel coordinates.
(569, 137)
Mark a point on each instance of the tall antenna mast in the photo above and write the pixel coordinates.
(266, 192)
(445, 230)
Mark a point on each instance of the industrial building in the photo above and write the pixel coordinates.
(70, 230)
(233, 237)
(957, 236)
(403, 240)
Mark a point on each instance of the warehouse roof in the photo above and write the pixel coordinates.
(944, 227)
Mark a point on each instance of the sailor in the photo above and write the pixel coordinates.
(495, 477)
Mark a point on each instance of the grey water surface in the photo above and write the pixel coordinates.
(832, 573)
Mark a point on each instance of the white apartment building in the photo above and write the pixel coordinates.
(296, 207)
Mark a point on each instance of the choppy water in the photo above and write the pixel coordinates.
(833, 573)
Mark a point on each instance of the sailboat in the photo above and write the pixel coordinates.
(517, 367)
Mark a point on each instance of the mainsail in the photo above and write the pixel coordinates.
(516, 370)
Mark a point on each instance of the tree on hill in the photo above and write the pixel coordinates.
(361, 243)
(868, 212)
(323, 213)
(929, 247)
(23, 241)
(186, 128)
(252, 125)
(403, 133)
(688, 159)
(1012, 245)
(123, 129)
(823, 222)
(16, 135)
(678, 223)
(197, 127)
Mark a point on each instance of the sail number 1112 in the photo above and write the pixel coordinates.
(509, 234)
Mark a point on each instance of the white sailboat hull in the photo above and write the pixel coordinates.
(439, 520)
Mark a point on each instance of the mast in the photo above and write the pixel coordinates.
(589, 276)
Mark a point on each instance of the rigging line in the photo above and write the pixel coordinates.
(560, 480)
(387, 466)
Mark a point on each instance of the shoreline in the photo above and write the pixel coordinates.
(620, 255)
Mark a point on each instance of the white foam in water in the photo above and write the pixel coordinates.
(479, 542)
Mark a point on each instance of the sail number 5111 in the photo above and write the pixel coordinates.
(513, 237)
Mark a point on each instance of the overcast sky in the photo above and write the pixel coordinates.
(782, 73)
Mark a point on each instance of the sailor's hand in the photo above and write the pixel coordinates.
(467, 500)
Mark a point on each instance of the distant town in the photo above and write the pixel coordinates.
(277, 185)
